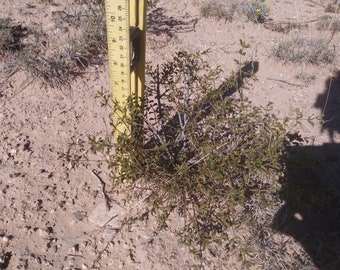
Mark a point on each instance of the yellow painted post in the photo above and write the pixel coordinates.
(126, 27)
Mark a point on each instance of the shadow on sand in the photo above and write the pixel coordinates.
(159, 23)
(329, 104)
(311, 189)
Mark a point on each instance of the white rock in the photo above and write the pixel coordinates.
(5, 239)
(13, 152)
(42, 232)
(100, 216)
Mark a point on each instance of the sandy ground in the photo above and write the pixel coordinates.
(52, 217)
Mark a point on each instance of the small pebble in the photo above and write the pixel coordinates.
(5, 239)
(110, 231)
(42, 232)
(298, 216)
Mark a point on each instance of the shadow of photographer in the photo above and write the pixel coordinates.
(329, 103)
(311, 189)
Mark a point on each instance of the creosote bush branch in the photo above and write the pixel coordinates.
(195, 151)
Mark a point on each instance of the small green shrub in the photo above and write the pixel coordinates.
(256, 11)
(304, 50)
(200, 154)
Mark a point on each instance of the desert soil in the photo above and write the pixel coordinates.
(52, 216)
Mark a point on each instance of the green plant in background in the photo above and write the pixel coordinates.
(256, 11)
(200, 154)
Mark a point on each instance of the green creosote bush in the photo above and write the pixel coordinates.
(256, 11)
(200, 154)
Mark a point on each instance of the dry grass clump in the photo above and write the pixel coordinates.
(90, 2)
(256, 11)
(55, 70)
(304, 50)
(218, 11)
(330, 24)
(11, 35)
(57, 67)
(306, 78)
(333, 7)
(90, 46)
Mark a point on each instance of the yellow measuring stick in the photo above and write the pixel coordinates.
(126, 26)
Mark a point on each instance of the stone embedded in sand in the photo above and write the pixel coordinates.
(79, 215)
(101, 216)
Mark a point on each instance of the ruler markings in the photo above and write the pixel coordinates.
(125, 21)
(118, 30)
